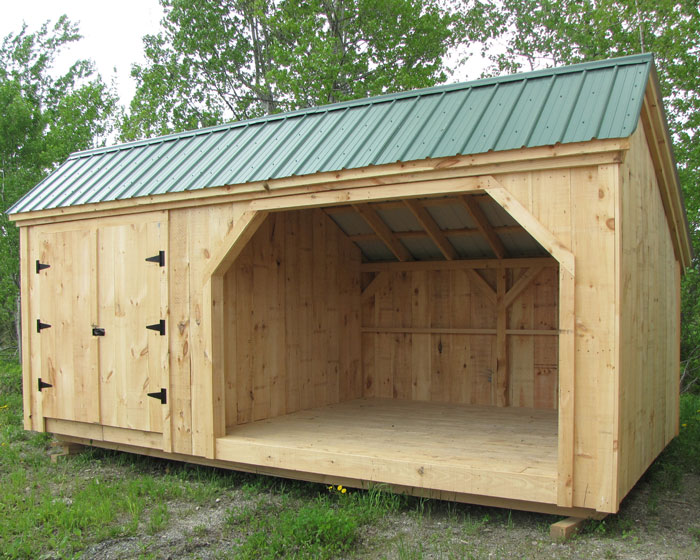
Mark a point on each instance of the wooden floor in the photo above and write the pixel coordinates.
(500, 452)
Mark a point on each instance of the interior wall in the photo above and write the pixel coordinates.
(438, 361)
(649, 319)
(533, 359)
(292, 319)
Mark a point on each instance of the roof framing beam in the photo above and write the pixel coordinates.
(447, 232)
(477, 214)
(383, 231)
(432, 229)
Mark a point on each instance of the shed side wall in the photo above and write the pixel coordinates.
(649, 319)
(578, 206)
(292, 319)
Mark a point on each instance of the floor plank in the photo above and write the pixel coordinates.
(506, 452)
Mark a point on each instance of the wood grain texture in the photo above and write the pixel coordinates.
(208, 228)
(648, 318)
(499, 452)
(68, 349)
(287, 331)
(435, 331)
(131, 295)
(292, 301)
(25, 314)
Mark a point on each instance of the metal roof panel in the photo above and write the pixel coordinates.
(570, 104)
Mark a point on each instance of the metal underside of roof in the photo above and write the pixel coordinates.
(491, 233)
(595, 100)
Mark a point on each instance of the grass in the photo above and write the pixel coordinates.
(61, 509)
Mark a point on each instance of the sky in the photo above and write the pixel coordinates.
(112, 32)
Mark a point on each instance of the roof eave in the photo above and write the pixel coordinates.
(493, 162)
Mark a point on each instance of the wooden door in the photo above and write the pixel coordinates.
(66, 314)
(131, 296)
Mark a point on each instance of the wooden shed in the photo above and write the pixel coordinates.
(469, 292)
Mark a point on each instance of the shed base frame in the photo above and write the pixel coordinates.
(486, 501)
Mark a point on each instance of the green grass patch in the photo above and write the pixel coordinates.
(682, 455)
(320, 530)
(301, 526)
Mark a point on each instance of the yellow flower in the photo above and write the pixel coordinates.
(340, 488)
(684, 425)
(343, 490)
(6, 405)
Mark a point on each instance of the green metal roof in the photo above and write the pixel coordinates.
(577, 103)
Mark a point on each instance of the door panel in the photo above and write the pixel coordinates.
(129, 299)
(67, 293)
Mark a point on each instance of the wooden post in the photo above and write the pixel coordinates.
(567, 359)
(501, 340)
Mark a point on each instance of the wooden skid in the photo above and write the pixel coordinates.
(562, 530)
(453, 448)
(65, 449)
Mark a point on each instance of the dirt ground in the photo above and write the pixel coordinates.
(653, 524)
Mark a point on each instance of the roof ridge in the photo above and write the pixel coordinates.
(385, 98)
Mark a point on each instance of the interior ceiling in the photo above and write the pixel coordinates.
(429, 229)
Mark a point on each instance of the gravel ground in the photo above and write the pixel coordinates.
(652, 524)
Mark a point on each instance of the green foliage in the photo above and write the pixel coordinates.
(540, 33)
(245, 58)
(316, 530)
(43, 118)
(325, 526)
(683, 453)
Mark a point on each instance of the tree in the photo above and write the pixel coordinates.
(540, 33)
(238, 59)
(43, 118)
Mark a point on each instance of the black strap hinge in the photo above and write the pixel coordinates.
(159, 326)
(161, 395)
(98, 331)
(40, 326)
(41, 266)
(159, 258)
(43, 385)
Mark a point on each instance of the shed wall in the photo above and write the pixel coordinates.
(578, 206)
(430, 335)
(649, 319)
(292, 331)
(195, 234)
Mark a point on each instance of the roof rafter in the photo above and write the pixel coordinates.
(447, 232)
(432, 229)
(477, 214)
(383, 231)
